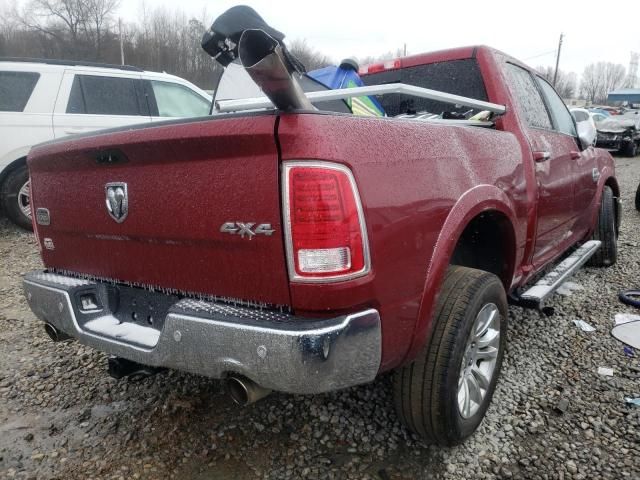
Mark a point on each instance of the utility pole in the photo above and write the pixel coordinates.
(555, 74)
(405, 50)
(121, 41)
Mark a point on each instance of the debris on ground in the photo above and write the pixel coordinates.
(584, 326)
(628, 333)
(621, 318)
(605, 371)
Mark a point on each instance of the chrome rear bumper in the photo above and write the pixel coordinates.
(276, 350)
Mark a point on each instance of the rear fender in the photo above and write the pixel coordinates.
(12, 159)
(475, 201)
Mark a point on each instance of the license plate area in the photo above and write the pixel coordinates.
(127, 304)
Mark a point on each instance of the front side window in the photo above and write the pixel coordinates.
(97, 95)
(175, 100)
(527, 97)
(16, 89)
(563, 122)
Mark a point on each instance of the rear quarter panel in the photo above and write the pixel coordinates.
(410, 175)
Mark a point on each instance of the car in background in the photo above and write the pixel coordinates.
(620, 133)
(585, 123)
(598, 117)
(42, 100)
(600, 111)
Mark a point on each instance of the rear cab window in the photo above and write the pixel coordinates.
(16, 89)
(458, 77)
(104, 95)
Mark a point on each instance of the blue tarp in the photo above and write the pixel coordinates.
(337, 77)
(631, 95)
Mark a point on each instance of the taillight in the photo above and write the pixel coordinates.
(325, 230)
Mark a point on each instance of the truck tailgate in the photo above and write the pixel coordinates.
(184, 181)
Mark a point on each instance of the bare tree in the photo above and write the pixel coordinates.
(310, 58)
(566, 83)
(598, 79)
(98, 16)
(52, 17)
(591, 84)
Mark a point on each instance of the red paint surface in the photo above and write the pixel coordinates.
(420, 185)
(184, 182)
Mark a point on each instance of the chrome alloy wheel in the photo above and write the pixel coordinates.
(479, 360)
(24, 199)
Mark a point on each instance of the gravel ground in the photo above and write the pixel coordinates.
(63, 417)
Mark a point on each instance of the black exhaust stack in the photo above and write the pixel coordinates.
(240, 33)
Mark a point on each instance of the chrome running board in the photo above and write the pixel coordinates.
(535, 296)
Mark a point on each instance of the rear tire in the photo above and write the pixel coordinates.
(605, 231)
(638, 198)
(15, 197)
(430, 394)
(630, 149)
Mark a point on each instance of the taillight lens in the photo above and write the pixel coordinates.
(326, 233)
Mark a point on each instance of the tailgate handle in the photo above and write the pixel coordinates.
(109, 157)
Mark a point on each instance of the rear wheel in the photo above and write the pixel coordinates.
(444, 394)
(638, 198)
(630, 149)
(16, 201)
(605, 231)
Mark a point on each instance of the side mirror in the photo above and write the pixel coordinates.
(586, 136)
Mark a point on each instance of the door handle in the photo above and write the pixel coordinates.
(71, 131)
(541, 156)
(574, 155)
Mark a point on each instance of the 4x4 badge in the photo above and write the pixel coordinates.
(117, 200)
(247, 228)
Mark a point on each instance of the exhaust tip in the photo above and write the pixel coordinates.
(254, 46)
(238, 391)
(54, 334)
(245, 392)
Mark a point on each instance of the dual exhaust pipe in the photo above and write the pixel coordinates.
(241, 390)
(244, 391)
(55, 334)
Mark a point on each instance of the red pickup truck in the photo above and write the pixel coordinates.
(304, 251)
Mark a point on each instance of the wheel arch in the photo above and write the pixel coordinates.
(612, 183)
(10, 167)
(484, 203)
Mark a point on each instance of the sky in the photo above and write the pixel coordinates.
(528, 31)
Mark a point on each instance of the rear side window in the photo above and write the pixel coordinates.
(459, 77)
(561, 117)
(96, 95)
(16, 89)
(175, 100)
(527, 97)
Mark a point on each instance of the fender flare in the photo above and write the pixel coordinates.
(479, 199)
(11, 161)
